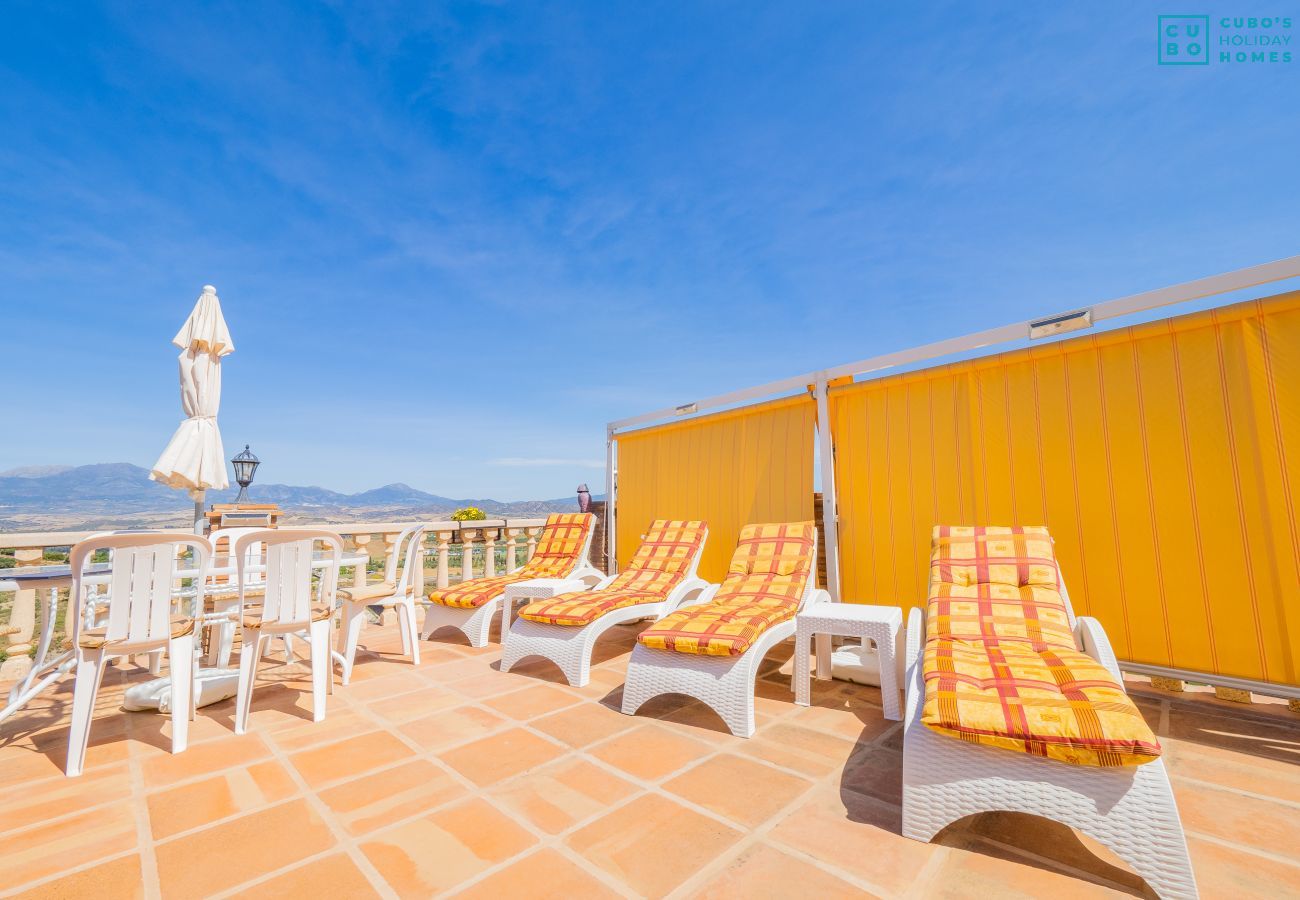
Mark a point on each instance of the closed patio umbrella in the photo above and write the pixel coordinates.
(194, 459)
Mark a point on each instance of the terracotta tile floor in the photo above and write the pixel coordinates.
(455, 778)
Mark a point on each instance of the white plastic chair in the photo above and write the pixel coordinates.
(225, 597)
(139, 620)
(397, 593)
(287, 607)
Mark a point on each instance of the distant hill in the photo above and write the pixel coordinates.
(34, 498)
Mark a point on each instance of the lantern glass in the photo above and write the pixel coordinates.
(245, 465)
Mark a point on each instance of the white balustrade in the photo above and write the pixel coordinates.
(29, 549)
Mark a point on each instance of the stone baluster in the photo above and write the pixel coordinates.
(390, 550)
(417, 575)
(489, 552)
(22, 616)
(359, 575)
(444, 555)
(512, 545)
(467, 538)
(533, 533)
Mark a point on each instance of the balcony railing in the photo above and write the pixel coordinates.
(453, 552)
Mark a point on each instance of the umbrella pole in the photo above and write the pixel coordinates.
(200, 520)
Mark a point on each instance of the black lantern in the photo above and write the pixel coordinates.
(245, 465)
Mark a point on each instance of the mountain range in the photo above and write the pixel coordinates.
(37, 498)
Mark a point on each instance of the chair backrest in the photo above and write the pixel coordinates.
(142, 579)
(669, 553)
(230, 535)
(563, 545)
(997, 582)
(772, 563)
(288, 583)
(410, 547)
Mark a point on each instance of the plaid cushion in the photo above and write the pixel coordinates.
(764, 585)
(658, 566)
(560, 545)
(582, 607)
(1052, 702)
(997, 583)
(557, 554)
(1001, 666)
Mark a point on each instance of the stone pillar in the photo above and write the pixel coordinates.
(391, 550)
(417, 574)
(467, 538)
(512, 545)
(598, 555)
(489, 552)
(359, 574)
(444, 554)
(22, 617)
(532, 533)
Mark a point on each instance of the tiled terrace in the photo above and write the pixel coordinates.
(456, 778)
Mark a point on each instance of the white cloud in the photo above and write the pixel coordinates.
(530, 462)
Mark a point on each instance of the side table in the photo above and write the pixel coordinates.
(534, 589)
(879, 624)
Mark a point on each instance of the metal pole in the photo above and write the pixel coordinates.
(830, 509)
(200, 520)
(611, 484)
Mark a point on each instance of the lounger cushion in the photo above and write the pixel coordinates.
(765, 583)
(97, 638)
(473, 594)
(997, 583)
(662, 562)
(380, 590)
(580, 608)
(713, 630)
(558, 552)
(1001, 666)
(1051, 701)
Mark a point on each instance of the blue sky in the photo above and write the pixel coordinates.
(452, 241)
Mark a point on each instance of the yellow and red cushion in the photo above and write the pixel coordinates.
(1001, 667)
(558, 552)
(559, 548)
(1051, 701)
(582, 607)
(658, 566)
(765, 583)
(997, 583)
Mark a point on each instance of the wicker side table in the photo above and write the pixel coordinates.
(879, 624)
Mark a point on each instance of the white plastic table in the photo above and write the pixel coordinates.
(879, 624)
(44, 670)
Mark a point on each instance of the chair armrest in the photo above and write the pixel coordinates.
(820, 595)
(695, 592)
(1093, 641)
(915, 639)
(588, 574)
